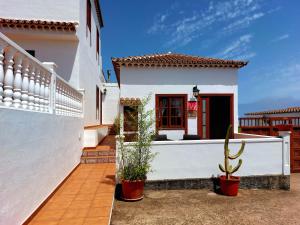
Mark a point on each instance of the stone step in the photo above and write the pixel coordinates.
(97, 159)
(106, 151)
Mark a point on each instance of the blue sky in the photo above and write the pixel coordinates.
(264, 32)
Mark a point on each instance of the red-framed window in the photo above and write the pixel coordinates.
(171, 111)
(88, 14)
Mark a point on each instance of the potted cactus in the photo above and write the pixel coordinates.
(230, 184)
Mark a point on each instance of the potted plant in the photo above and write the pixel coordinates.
(230, 184)
(136, 157)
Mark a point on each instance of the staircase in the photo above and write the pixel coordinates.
(105, 152)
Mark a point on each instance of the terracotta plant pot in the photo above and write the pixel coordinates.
(132, 190)
(229, 187)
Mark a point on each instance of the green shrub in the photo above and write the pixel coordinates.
(136, 158)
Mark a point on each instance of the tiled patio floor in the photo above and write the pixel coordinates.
(86, 197)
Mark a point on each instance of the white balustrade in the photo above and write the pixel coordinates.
(17, 81)
(31, 88)
(25, 84)
(2, 47)
(46, 99)
(42, 91)
(37, 90)
(9, 77)
(68, 99)
(28, 84)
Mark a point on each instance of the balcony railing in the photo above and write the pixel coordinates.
(269, 121)
(28, 84)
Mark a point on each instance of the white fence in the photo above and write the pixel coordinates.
(28, 84)
(200, 158)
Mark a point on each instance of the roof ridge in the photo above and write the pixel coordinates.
(179, 55)
(34, 19)
(290, 109)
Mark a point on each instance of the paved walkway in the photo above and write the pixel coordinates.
(86, 197)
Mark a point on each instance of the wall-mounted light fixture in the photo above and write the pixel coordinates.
(195, 91)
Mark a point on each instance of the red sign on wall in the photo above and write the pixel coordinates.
(192, 108)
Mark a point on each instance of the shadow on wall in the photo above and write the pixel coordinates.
(62, 52)
(65, 58)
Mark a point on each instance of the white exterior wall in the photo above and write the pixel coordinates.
(140, 82)
(90, 66)
(111, 102)
(200, 159)
(66, 10)
(38, 151)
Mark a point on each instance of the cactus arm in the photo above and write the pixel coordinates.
(239, 153)
(221, 168)
(237, 167)
(230, 169)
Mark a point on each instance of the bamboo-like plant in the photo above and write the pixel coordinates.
(136, 158)
(228, 168)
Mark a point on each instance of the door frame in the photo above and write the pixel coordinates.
(199, 108)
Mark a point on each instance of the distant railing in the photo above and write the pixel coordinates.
(28, 84)
(269, 121)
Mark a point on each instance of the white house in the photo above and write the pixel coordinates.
(170, 78)
(194, 95)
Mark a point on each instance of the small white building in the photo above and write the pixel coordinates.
(194, 95)
(170, 79)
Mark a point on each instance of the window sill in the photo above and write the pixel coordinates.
(175, 128)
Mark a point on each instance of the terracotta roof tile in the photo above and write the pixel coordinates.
(174, 60)
(130, 101)
(38, 24)
(276, 111)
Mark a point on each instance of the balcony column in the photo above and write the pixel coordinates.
(37, 87)
(31, 88)
(2, 47)
(25, 84)
(17, 81)
(58, 99)
(9, 77)
(46, 101)
(42, 92)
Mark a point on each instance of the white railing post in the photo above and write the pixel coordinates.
(48, 106)
(31, 87)
(37, 90)
(9, 77)
(25, 84)
(50, 87)
(42, 91)
(285, 135)
(81, 102)
(2, 47)
(17, 81)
